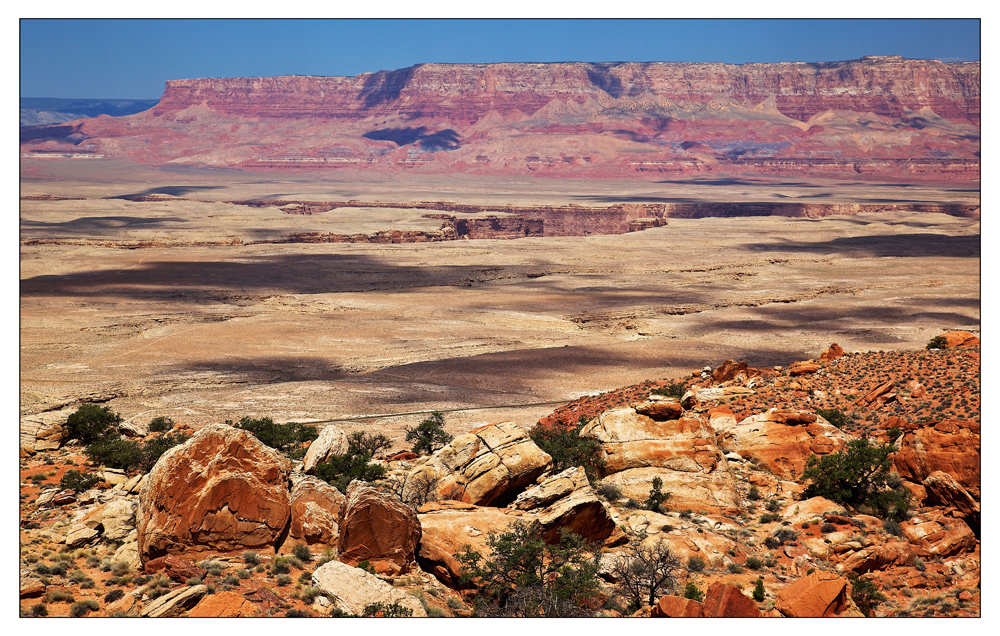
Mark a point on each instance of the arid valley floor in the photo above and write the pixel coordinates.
(209, 324)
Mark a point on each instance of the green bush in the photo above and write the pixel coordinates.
(73, 479)
(568, 449)
(865, 595)
(160, 424)
(674, 390)
(656, 497)
(769, 517)
(827, 527)
(82, 608)
(735, 568)
(758, 590)
(754, 493)
(918, 563)
(114, 451)
(297, 613)
(695, 564)
(39, 609)
(525, 576)
(194, 580)
(892, 528)
(692, 592)
(58, 596)
(355, 463)
(302, 553)
(90, 421)
(251, 558)
(284, 580)
(835, 417)
(937, 342)
(611, 492)
(282, 437)
(113, 595)
(858, 475)
(754, 563)
(387, 610)
(429, 435)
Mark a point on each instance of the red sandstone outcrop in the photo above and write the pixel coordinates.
(488, 466)
(951, 446)
(315, 510)
(449, 527)
(783, 440)
(377, 528)
(935, 534)
(727, 601)
(960, 339)
(803, 368)
(223, 605)
(728, 370)
(176, 569)
(819, 595)
(832, 352)
(682, 453)
(676, 607)
(221, 491)
(943, 490)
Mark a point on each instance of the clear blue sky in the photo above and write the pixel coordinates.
(133, 58)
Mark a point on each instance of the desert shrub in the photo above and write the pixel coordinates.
(894, 432)
(773, 505)
(114, 451)
(827, 527)
(302, 553)
(611, 492)
(435, 612)
(120, 568)
(785, 534)
(194, 580)
(865, 595)
(754, 493)
(918, 563)
(39, 610)
(769, 517)
(90, 421)
(524, 576)
(686, 514)
(355, 463)
(243, 574)
(283, 580)
(937, 342)
(835, 417)
(87, 584)
(754, 563)
(114, 595)
(772, 543)
(73, 479)
(82, 608)
(160, 424)
(858, 475)
(280, 566)
(568, 449)
(674, 390)
(429, 435)
(656, 497)
(251, 558)
(735, 568)
(298, 613)
(692, 592)
(42, 569)
(631, 503)
(453, 603)
(695, 564)
(58, 596)
(231, 580)
(154, 447)
(282, 437)
(644, 573)
(309, 595)
(387, 610)
(367, 566)
(758, 590)
(892, 528)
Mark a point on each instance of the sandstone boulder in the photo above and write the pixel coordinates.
(223, 605)
(44, 431)
(676, 607)
(803, 368)
(728, 370)
(951, 446)
(118, 518)
(133, 429)
(727, 601)
(708, 492)
(221, 491)
(818, 595)
(832, 352)
(783, 440)
(30, 584)
(879, 391)
(175, 569)
(798, 511)
(943, 490)
(174, 603)
(660, 410)
(332, 442)
(351, 589)
(879, 557)
(449, 527)
(128, 553)
(377, 528)
(936, 535)
(315, 509)
(556, 486)
(488, 466)
(960, 339)
(580, 512)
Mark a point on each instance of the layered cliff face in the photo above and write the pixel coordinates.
(876, 116)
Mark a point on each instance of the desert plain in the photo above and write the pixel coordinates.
(187, 306)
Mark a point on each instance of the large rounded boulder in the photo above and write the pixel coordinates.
(377, 528)
(222, 491)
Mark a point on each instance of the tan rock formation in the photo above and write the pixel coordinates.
(377, 528)
(783, 440)
(221, 491)
(832, 352)
(951, 446)
(449, 527)
(351, 589)
(580, 512)
(488, 466)
(934, 534)
(332, 441)
(223, 605)
(315, 509)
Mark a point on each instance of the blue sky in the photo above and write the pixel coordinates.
(133, 58)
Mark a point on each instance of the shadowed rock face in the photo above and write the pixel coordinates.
(221, 491)
(884, 116)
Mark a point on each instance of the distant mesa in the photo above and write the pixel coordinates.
(877, 117)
